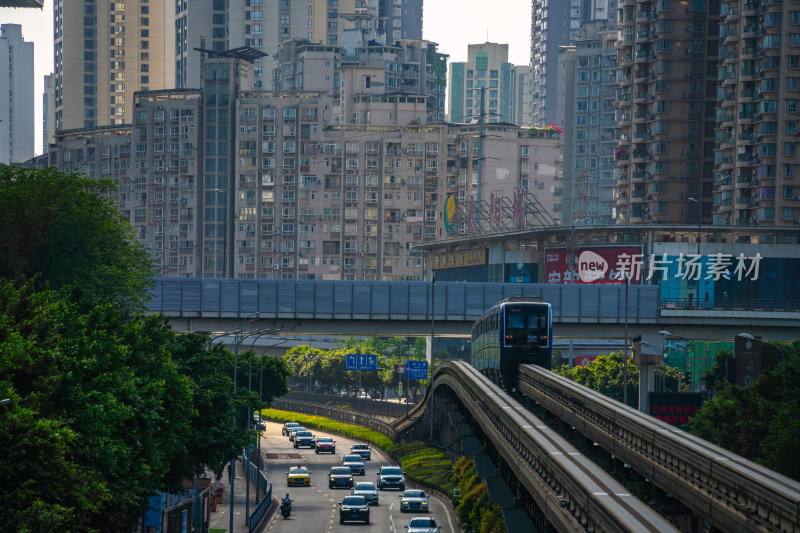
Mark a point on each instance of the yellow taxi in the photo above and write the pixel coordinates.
(298, 476)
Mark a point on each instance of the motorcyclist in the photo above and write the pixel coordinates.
(286, 506)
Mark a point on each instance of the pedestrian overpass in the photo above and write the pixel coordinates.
(400, 308)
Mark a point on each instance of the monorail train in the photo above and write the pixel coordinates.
(514, 331)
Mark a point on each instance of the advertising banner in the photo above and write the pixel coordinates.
(675, 408)
(584, 360)
(593, 265)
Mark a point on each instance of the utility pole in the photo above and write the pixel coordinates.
(481, 119)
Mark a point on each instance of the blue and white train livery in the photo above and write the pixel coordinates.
(514, 331)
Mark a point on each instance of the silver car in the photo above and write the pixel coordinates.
(423, 524)
(356, 464)
(414, 500)
(368, 490)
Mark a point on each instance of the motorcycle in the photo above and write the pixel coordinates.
(286, 510)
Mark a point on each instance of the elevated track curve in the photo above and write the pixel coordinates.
(732, 493)
(570, 491)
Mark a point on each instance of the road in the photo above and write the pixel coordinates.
(316, 509)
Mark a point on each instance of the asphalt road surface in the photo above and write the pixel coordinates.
(316, 508)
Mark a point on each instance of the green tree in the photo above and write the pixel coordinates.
(757, 421)
(213, 436)
(606, 375)
(109, 387)
(63, 230)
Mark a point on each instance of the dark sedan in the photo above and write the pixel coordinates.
(354, 508)
(340, 477)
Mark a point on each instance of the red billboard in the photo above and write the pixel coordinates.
(593, 265)
(584, 360)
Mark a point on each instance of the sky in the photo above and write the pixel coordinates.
(453, 24)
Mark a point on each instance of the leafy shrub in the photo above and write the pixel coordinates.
(475, 512)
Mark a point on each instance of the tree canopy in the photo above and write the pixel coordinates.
(758, 421)
(106, 407)
(63, 230)
(327, 368)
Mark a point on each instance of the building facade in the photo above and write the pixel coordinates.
(361, 72)
(16, 81)
(264, 24)
(486, 70)
(666, 102)
(105, 52)
(48, 112)
(522, 95)
(587, 79)
(252, 184)
(555, 24)
(758, 90)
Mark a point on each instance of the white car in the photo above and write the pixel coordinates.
(423, 524)
(414, 501)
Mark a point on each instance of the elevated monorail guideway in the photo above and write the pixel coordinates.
(732, 493)
(570, 491)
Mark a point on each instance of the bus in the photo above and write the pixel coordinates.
(514, 331)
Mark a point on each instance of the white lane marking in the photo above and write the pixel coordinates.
(391, 520)
(446, 512)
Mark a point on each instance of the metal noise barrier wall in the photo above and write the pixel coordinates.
(335, 413)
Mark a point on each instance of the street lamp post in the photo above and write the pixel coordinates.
(237, 341)
(699, 222)
(260, 398)
(667, 334)
(783, 361)
(256, 335)
(433, 337)
(572, 248)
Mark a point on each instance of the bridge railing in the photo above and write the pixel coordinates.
(336, 413)
(380, 408)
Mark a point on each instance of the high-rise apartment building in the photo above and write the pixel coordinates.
(756, 165)
(105, 52)
(16, 81)
(256, 186)
(666, 110)
(219, 25)
(555, 24)
(587, 80)
(364, 72)
(550, 29)
(400, 19)
(486, 71)
(48, 112)
(521, 100)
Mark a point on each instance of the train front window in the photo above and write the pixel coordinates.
(526, 327)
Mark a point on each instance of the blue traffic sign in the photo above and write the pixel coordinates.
(416, 370)
(361, 361)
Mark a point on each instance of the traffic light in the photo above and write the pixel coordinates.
(686, 381)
